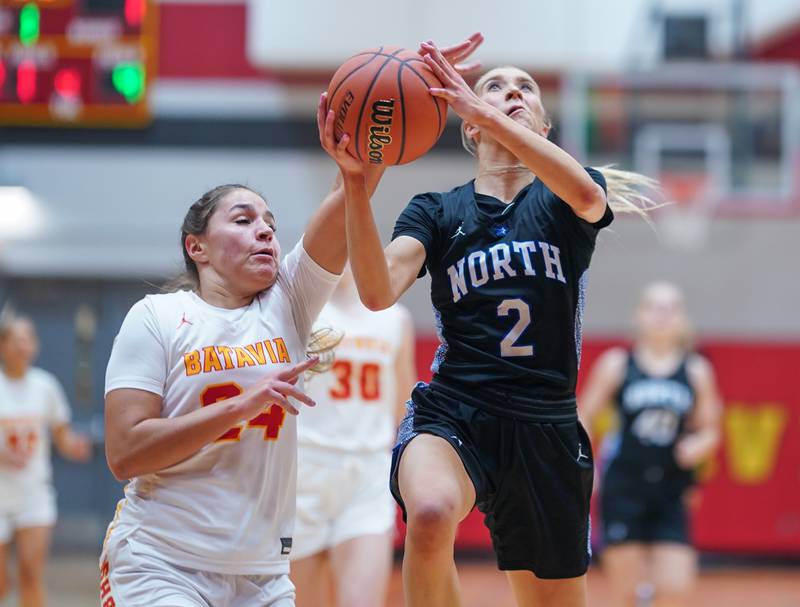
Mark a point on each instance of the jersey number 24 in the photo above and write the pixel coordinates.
(270, 419)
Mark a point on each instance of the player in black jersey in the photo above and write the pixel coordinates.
(497, 427)
(669, 409)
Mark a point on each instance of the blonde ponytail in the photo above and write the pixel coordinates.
(630, 192)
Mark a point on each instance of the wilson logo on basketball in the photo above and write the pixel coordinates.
(341, 115)
(381, 129)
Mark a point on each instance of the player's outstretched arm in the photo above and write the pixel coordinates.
(558, 170)
(324, 239)
(139, 441)
(704, 424)
(381, 278)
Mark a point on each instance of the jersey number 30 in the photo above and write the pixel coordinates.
(509, 347)
(270, 419)
(369, 380)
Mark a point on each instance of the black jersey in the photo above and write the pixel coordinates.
(653, 412)
(508, 287)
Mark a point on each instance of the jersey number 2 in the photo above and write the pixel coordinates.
(508, 346)
(271, 420)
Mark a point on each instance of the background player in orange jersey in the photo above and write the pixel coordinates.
(345, 512)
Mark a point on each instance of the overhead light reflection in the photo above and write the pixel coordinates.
(21, 214)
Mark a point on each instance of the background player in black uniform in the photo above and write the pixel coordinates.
(669, 410)
(497, 427)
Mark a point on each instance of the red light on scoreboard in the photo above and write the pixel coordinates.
(2, 78)
(67, 83)
(134, 12)
(26, 81)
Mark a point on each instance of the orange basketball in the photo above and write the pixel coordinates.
(381, 100)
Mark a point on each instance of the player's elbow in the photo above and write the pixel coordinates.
(589, 203)
(591, 197)
(375, 302)
(120, 464)
(118, 469)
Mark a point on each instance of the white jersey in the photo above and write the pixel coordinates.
(29, 408)
(230, 507)
(357, 400)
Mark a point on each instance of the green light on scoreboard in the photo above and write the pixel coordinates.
(128, 80)
(29, 24)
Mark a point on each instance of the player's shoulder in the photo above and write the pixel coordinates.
(161, 303)
(698, 367)
(164, 310)
(444, 199)
(41, 377)
(458, 194)
(614, 361)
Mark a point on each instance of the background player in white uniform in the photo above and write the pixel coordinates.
(33, 408)
(208, 516)
(345, 513)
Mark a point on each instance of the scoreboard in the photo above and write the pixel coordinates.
(76, 62)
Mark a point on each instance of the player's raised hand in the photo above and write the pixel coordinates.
(458, 94)
(348, 164)
(276, 388)
(457, 53)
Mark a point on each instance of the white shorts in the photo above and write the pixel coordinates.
(340, 496)
(132, 579)
(35, 508)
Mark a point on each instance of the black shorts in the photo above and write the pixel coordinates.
(641, 515)
(533, 480)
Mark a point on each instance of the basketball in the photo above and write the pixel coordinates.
(381, 99)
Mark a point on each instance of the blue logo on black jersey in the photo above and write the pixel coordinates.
(500, 230)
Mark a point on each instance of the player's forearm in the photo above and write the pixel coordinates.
(329, 253)
(329, 220)
(154, 444)
(695, 448)
(367, 259)
(558, 170)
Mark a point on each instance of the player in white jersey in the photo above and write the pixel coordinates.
(197, 390)
(33, 408)
(345, 513)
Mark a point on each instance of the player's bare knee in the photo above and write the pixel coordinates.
(432, 520)
(30, 576)
(5, 587)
